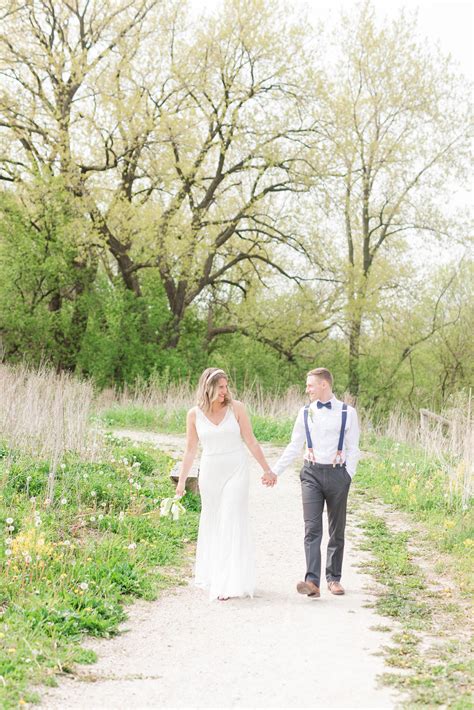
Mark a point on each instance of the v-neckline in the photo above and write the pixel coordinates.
(221, 421)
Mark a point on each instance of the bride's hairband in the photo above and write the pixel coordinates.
(213, 374)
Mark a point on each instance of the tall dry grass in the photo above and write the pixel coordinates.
(47, 414)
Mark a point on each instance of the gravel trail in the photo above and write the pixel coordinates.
(277, 650)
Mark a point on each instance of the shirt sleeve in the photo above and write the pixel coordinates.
(295, 446)
(352, 444)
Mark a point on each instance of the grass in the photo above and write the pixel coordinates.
(174, 422)
(403, 476)
(70, 564)
(434, 662)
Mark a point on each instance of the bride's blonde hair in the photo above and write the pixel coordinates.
(207, 388)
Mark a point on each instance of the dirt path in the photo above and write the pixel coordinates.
(278, 650)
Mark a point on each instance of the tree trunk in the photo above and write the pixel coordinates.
(354, 354)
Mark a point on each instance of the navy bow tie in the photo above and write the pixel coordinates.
(320, 405)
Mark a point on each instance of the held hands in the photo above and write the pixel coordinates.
(269, 479)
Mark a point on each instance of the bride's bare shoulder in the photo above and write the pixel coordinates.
(238, 406)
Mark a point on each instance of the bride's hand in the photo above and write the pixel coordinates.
(180, 490)
(269, 479)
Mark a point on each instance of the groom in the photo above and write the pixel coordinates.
(331, 432)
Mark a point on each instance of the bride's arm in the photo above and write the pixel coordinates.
(189, 452)
(253, 446)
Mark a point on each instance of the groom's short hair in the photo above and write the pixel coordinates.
(322, 373)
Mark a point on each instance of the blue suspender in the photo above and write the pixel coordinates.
(343, 428)
(308, 435)
(341, 433)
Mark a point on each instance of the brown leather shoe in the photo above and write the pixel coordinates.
(335, 587)
(308, 588)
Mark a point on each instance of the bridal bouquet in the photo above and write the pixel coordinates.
(173, 507)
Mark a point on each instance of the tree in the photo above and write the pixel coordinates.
(180, 163)
(396, 124)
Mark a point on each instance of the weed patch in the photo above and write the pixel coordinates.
(440, 674)
(68, 565)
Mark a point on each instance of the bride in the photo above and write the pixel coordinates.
(224, 555)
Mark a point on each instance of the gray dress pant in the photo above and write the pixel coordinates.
(319, 483)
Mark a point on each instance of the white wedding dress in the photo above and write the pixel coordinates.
(224, 555)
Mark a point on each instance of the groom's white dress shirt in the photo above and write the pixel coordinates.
(324, 426)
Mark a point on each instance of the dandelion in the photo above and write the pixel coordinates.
(63, 466)
(9, 521)
(121, 515)
(132, 546)
(84, 586)
(8, 540)
(92, 518)
(8, 552)
(100, 517)
(137, 464)
(93, 494)
(11, 528)
(63, 501)
(109, 485)
(67, 543)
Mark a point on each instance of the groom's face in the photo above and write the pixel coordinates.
(315, 388)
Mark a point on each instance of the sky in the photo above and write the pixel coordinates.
(449, 22)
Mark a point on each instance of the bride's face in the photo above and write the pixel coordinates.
(221, 390)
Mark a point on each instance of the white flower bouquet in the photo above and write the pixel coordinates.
(173, 507)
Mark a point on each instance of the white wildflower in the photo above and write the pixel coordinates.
(84, 586)
(9, 521)
(121, 515)
(63, 501)
(132, 546)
